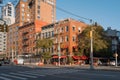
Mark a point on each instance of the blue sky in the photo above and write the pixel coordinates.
(105, 12)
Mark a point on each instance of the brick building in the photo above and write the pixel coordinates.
(30, 16)
(64, 32)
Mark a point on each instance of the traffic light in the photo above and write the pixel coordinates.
(1, 1)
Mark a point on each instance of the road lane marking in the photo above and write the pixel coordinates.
(97, 74)
(23, 75)
(14, 76)
(32, 74)
(4, 78)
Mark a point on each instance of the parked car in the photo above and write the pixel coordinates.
(19, 61)
(112, 63)
(1, 62)
(6, 61)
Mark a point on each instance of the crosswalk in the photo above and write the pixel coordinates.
(33, 74)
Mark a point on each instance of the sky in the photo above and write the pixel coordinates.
(104, 12)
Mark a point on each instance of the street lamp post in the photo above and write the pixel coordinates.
(59, 51)
(91, 48)
(116, 55)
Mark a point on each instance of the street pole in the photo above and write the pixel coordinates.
(59, 50)
(12, 55)
(116, 55)
(91, 48)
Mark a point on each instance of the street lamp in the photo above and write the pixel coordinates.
(116, 55)
(91, 47)
(59, 53)
(59, 49)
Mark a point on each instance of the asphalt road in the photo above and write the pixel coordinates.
(9, 72)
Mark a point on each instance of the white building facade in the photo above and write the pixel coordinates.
(3, 37)
(8, 13)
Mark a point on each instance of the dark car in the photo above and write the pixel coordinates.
(0, 62)
(6, 61)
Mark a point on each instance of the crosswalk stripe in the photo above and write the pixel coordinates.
(31, 74)
(23, 75)
(14, 76)
(4, 78)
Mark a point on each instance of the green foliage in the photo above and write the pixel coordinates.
(100, 42)
(44, 44)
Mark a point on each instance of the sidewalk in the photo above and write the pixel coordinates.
(111, 68)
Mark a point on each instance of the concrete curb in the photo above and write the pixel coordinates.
(87, 67)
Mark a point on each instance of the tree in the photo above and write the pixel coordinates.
(44, 44)
(100, 42)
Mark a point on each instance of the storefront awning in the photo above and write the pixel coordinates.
(55, 56)
(80, 57)
(75, 57)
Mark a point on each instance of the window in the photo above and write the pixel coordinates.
(61, 29)
(38, 16)
(22, 18)
(49, 34)
(79, 29)
(73, 28)
(66, 28)
(28, 19)
(46, 35)
(38, 6)
(42, 35)
(9, 8)
(22, 14)
(66, 38)
(60, 39)
(73, 38)
(22, 10)
(23, 5)
(56, 40)
(52, 33)
(38, 11)
(28, 14)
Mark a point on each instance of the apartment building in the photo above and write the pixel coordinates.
(3, 36)
(8, 16)
(47, 31)
(8, 13)
(27, 37)
(30, 16)
(12, 40)
(22, 12)
(114, 35)
(44, 10)
(64, 34)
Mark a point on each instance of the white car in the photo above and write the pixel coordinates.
(112, 63)
(20, 61)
